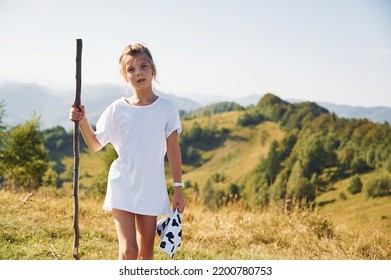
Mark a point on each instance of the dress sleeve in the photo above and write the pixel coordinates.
(104, 126)
(173, 121)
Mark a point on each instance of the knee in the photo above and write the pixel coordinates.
(129, 251)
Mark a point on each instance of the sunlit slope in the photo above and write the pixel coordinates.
(237, 157)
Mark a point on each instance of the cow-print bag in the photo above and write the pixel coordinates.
(170, 232)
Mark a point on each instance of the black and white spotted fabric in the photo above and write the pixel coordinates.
(170, 232)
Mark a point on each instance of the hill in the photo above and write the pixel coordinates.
(323, 150)
(237, 157)
(378, 114)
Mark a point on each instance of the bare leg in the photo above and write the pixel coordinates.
(126, 231)
(146, 229)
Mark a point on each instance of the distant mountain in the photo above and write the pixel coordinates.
(375, 114)
(248, 100)
(206, 100)
(23, 99)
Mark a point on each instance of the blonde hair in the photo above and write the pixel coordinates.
(132, 51)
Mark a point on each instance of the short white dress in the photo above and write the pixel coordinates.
(136, 181)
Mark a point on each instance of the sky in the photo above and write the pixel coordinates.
(336, 51)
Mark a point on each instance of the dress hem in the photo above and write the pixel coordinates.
(108, 209)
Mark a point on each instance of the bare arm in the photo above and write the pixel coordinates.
(85, 128)
(175, 161)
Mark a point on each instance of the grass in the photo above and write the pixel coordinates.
(240, 153)
(41, 228)
(90, 167)
(356, 211)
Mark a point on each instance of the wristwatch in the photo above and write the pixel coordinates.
(178, 184)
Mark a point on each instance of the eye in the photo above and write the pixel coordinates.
(144, 66)
(130, 69)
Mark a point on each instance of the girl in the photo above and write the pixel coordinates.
(141, 129)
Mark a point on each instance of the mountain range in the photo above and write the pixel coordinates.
(23, 100)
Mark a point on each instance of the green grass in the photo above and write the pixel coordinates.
(91, 165)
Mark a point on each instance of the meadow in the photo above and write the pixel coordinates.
(39, 226)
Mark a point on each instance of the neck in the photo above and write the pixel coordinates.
(142, 97)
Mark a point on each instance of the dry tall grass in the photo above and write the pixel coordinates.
(40, 227)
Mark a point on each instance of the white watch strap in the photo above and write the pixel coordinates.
(178, 184)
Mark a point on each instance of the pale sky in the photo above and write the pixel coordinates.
(336, 51)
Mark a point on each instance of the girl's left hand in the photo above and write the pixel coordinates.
(178, 200)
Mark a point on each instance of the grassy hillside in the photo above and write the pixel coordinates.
(240, 153)
(356, 211)
(340, 226)
(91, 165)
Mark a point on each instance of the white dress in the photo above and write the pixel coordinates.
(136, 181)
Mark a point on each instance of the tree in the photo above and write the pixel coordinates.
(25, 158)
(208, 194)
(278, 188)
(271, 165)
(251, 118)
(346, 157)
(316, 158)
(298, 187)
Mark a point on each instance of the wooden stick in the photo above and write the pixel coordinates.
(76, 152)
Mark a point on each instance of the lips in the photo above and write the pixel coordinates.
(140, 80)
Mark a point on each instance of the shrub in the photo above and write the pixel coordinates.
(218, 177)
(378, 186)
(355, 185)
(342, 196)
(251, 119)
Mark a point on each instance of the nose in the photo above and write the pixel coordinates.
(139, 71)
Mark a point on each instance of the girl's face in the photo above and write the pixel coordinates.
(139, 71)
